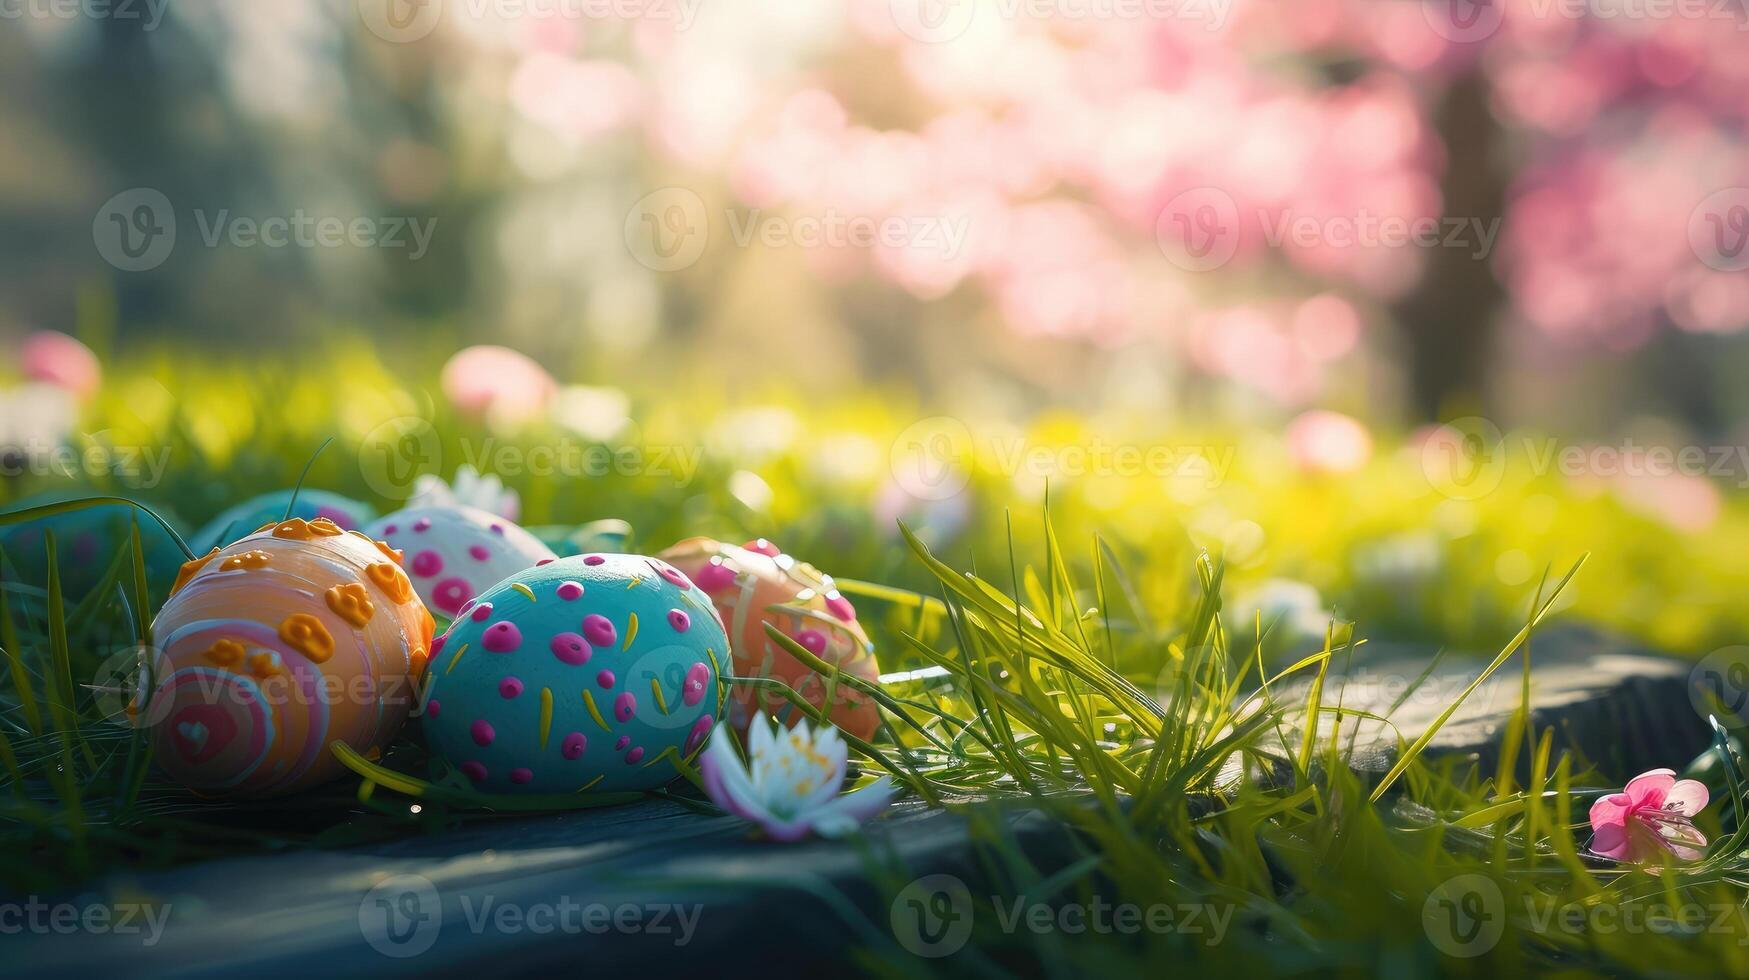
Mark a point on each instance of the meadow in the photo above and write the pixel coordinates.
(1110, 607)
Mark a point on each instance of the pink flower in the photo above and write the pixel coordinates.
(1651, 818)
(506, 386)
(58, 359)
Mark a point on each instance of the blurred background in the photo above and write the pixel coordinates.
(1300, 233)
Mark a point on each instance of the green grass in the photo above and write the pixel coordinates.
(1109, 679)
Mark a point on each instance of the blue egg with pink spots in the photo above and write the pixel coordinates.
(597, 672)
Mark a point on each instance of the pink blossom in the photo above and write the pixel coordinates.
(506, 386)
(58, 359)
(1328, 442)
(1650, 819)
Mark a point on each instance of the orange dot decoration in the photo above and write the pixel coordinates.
(276, 645)
(757, 584)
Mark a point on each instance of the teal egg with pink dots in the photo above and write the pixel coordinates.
(592, 673)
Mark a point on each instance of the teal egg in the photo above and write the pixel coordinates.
(583, 673)
(243, 519)
(86, 543)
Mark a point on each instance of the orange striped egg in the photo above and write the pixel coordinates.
(277, 644)
(757, 584)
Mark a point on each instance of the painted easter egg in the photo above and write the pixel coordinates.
(274, 646)
(245, 517)
(757, 584)
(586, 673)
(87, 543)
(455, 552)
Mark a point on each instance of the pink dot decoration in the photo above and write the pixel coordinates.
(482, 612)
(570, 591)
(673, 576)
(599, 631)
(427, 563)
(543, 561)
(509, 687)
(635, 755)
(839, 606)
(593, 560)
(475, 771)
(497, 528)
(605, 678)
(692, 689)
(451, 595)
(520, 775)
(433, 707)
(573, 745)
(570, 649)
(678, 619)
(812, 641)
(716, 577)
(478, 552)
(422, 524)
(760, 546)
(623, 741)
(625, 706)
(700, 730)
(390, 529)
(482, 732)
(501, 638)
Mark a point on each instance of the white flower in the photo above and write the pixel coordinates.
(470, 489)
(792, 786)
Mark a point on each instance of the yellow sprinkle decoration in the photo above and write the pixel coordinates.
(546, 714)
(712, 653)
(631, 630)
(594, 712)
(525, 590)
(634, 583)
(656, 689)
(458, 655)
(586, 786)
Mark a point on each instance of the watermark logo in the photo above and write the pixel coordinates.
(933, 21)
(1198, 230)
(1465, 916)
(932, 917)
(135, 231)
(667, 230)
(1718, 230)
(122, 688)
(395, 453)
(1464, 21)
(401, 916)
(1719, 685)
(401, 21)
(932, 458)
(1464, 459)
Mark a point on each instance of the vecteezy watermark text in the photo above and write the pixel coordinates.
(403, 916)
(136, 230)
(147, 13)
(396, 452)
(406, 21)
(1467, 458)
(667, 230)
(140, 467)
(940, 21)
(934, 917)
(38, 917)
(934, 458)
